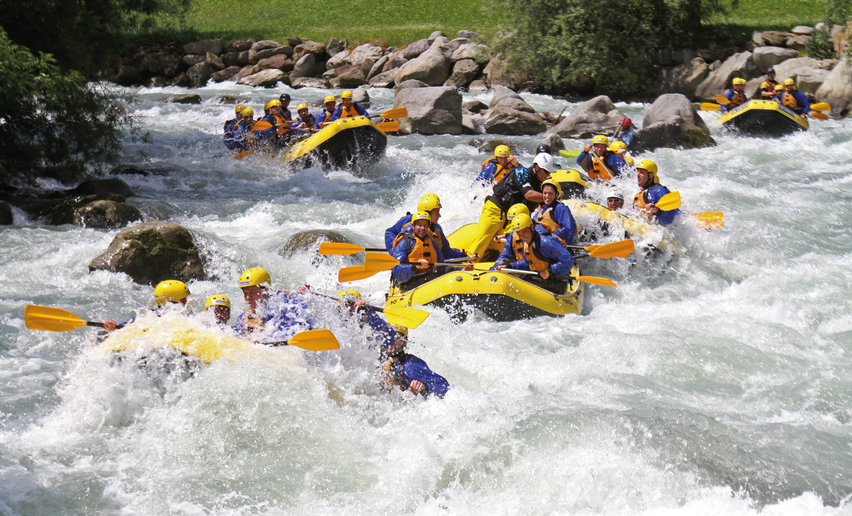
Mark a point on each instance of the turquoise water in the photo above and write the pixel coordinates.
(713, 380)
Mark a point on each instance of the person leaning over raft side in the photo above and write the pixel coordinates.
(553, 217)
(417, 247)
(652, 191)
(794, 99)
(305, 123)
(275, 314)
(494, 169)
(767, 87)
(243, 133)
(221, 307)
(230, 125)
(382, 330)
(599, 162)
(325, 117)
(408, 371)
(431, 204)
(545, 254)
(522, 185)
(347, 108)
(513, 249)
(168, 292)
(736, 95)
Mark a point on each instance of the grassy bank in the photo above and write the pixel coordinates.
(390, 22)
(738, 24)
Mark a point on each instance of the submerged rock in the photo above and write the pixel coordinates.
(673, 122)
(305, 240)
(106, 215)
(151, 252)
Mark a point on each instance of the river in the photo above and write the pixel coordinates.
(715, 380)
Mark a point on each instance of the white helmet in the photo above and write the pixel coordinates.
(615, 194)
(545, 161)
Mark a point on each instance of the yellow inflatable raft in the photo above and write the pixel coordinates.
(349, 143)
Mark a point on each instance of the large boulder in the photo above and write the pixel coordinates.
(160, 63)
(431, 110)
(596, 116)
(264, 78)
(242, 45)
(106, 215)
(509, 114)
(310, 82)
(810, 82)
(431, 67)
(64, 211)
(339, 59)
(766, 57)
(214, 46)
(414, 50)
(476, 51)
(349, 76)
(305, 67)
(464, 72)
(280, 62)
(114, 186)
(335, 46)
(673, 122)
(366, 52)
(684, 78)
(792, 68)
(6, 217)
(309, 47)
(199, 74)
(376, 69)
(214, 61)
(226, 74)
(151, 252)
(738, 65)
(383, 80)
(498, 72)
(837, 88)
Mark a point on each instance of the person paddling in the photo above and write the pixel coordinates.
(736, 95)
(545, 254)
(347, 108)
(494, 169)
(328, 113)
(652, 191)
(794, 99)
(431, 204)
(407, 371)
(168, 292)
(270, 313)
(230, 125)
(418, 249)
(767, 87)
(599, 162)
(243, 131)
(306, 122)
(553, 217)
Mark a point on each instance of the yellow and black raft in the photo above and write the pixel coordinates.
(348, 143)
(763, 118)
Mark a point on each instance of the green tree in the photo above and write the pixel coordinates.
(592, 47)
(52, 123)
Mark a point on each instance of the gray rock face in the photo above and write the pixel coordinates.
(415, 49)
(242, 45)
(305, 67)
(281, 62)
(554, 142)
(837, 88)
(339, 59)
(199, 74)
(186, 99)
(596, 116)
(366, 52)
(431, 67)
(383, 80)
(430, 110)
(738, 65)
(801, 65)
(477, 86)
(214, 61)
(802, 30)
(411, 83)
(264, 78)
(349, 76)
(469, 34)
(310, 82)
(476, 51)
(809, 82)
(499, 73)
(309, 240)
(464, 72)
(226, 74)
(435, 35)
(106, 215)
(335, 46)
(684, 78)
(214, 46)
(192, 59)
(764, 57)
(673, 122)
(152, 252)
(309, 47)
(160, 63)
(376, 69)
(5, 214)
(508, 113)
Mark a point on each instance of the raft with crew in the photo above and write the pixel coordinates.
(347, 143)
(763, 118)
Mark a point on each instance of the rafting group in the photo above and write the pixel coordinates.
(779, 109)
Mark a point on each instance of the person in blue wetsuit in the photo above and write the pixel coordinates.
(553, 217)
(513, 249)
(736, 95)
(599, 162)
(431, 204)
(383, 332)
(270, 315)
(306, 123)
(652, 191)
(419, 249)
(544, 254)
(324, 118)
(230, 125)
(408, 371)
(347, 108)
(794, 99)
(243, 132)
(494, 169)
(279, 131)
(626, 133)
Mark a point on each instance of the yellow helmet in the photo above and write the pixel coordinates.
(739, 80)
(600, 139)
(272, 103)
(421, 215)
(617, 145)
(247, 112)
(429, 202)
(789, 82)
(346, 95)
(301, 107)
(554, 184)
(239, 109)
(328, 99)
(350, 294)
(217, 300)
(778, 87)
(502, 151)
(650, 166)
(255, 277)
(628, 159)
(517, 209)
(172, 291)
(521, 221)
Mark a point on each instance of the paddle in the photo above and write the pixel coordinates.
(821, 106)
(721, 99)
(618, 249)
(818, 116)
(342, 248)
(243, 154)
(378, 262)
(388, 127)
(390, 114)
(669, 202)
(585, 279)
(261, 125)
(710, 219)
(570, 154)
(311, 340)
(709, 106)
(46, 318)
(403, 316)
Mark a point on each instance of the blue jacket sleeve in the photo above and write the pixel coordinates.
(392, 232)
(554, 250)
(506, 255)
(487, 172)
(241, 137)
(804, 104)
(402, 272)
(416, 369)
(360, 109)
(266, 134)
(384, 332)
(627, 136)
(566, 220)
(616, 164)
(655, 193)
(583, 161)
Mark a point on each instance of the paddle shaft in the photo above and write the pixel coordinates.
(350, 301)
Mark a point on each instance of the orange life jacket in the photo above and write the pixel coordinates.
(327, 119)
(517, 246)
(789, 100)
(281, 120)
(537, 261)
(598, 170)
(639, 203)
(422, 249)
(433, 230)
(499, 170)
(739, 98)
(348, 112)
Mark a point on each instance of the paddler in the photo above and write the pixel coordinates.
(431, 204)
(306, 122)
(652, 191)
(166, 293)
(625, 133)
(221, 307)
(279, 131)
(736, 95)
(513, 249)
(522, 185)
(243, 133)
(494, 169)
(285, 107)
(230, 125)
(794, 99)
(382, 330)
(552, 217)
(347, 108)
(615, 200)
(325, 117)
(419, 249)
(408, 371)
(545, 254)
(270, 313)
(599, 162)
(767, 87)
